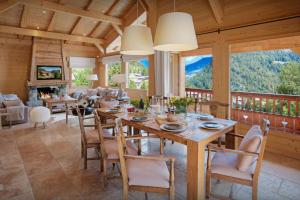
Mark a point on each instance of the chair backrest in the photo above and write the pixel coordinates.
(161, 100)
(121, 149)
(81, 125)
(100, 132)
(214, 108)
(265, 130)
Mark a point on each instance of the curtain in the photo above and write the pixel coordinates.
(81, 62)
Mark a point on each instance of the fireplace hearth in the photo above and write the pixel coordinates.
(36, 94)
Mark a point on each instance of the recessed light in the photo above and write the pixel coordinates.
(95, 22)
(97, 56)
(84, 34)
(38, 28)
(44, 11)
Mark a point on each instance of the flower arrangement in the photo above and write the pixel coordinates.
(180, 103)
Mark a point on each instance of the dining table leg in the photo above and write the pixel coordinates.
(195, 170)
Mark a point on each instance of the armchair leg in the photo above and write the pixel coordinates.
(85, 158)
(105, 172)
(207, 189)
(161, 148)
(125, 193)
(172, 193)
(254, 190)
(146, 196)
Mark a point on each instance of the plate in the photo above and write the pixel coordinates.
(175, 128)
(113, 110)
(205, 117)
(211, 125)
(139, 119)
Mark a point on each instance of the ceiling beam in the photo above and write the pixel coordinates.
(56, 7)
(4, 6)
(24, 17)
(107, 13)
(51, 35)
(99, 47)
(217, 9)
(118, 29)
(144, 5)
(296, 50)
(78, 21)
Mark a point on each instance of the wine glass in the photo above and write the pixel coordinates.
(245, 117)
(284, 123)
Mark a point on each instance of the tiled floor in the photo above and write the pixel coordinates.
(46, 164)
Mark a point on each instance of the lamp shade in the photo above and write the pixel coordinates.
(92, 77)
(119, 78)
(175, 32)
(137, 40)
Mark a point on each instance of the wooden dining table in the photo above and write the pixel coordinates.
(196, 140)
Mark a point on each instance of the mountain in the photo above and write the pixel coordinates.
(198, 65)
(250, 72)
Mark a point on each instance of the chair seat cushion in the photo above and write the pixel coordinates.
(92, 136)
(152, 173)
(112, 152)
(224, 163)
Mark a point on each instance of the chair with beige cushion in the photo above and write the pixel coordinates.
(239, 166)
(109, 148)
(89, 136)
(144, 173)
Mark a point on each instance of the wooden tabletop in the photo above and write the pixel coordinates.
(192, 133)
(60, 100)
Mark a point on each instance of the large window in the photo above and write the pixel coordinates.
(198, 72)
(79, 77)
(112, 69)
(138, 74)
(276, 71)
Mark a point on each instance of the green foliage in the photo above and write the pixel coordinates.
(137, 68)
(113, 68)
(181, 104)
(290, 79)
(80, 77)
(202, 79)
(132, 84)
(145, 85)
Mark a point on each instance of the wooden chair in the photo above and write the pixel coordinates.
(214, 108)
(109, 149)
(144, 173)
(239, 166)
(89, 137)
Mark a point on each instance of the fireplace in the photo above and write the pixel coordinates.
(36, 94)
(48, 92)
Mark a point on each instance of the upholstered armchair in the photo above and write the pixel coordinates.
(239, 166)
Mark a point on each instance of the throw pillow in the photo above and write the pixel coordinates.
(12, 103)
(250, 143)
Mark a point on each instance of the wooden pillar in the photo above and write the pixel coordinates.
(221, 72)
(100, 70)
(181, 89)
(124, 70)
(151, 22)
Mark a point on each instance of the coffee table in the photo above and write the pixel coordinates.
(49, 103)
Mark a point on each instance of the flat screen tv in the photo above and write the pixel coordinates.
(45, 72)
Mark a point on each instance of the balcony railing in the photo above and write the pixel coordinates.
(283, 111)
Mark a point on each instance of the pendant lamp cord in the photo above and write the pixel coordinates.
(174, 5)
(137, 12)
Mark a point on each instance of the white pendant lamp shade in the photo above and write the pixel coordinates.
(137, 40)
(175, 32)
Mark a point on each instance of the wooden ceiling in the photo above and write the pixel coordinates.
(99, 22)
(87, 21)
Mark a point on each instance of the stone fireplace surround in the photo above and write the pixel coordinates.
(34, 98)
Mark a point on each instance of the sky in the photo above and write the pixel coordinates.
(192, 59)
(144, 62)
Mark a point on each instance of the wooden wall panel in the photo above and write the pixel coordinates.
(15, 59)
